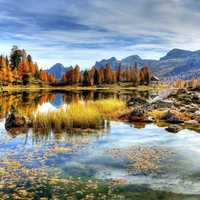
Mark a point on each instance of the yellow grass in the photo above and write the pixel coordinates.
(107, 106)
(89, 115)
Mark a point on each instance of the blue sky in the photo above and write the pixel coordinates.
(84, 31)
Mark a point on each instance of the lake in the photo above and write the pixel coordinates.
(121, 161)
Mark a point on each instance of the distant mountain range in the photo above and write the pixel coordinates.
(58, 70)
(177, 63)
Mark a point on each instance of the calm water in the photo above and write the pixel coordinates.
(153, 163)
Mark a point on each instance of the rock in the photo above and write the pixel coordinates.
(162, 104)
(182, 91)
(174, 128)
(191, 109)
(172, 118)
(14, 121)
(183, 109)
(29, 122)
(191, 122)
(136, 101)
(138, 115)
(197, 113)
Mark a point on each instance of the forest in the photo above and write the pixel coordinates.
(19, 69)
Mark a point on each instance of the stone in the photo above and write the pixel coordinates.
(182, 91)
(138, 115)
(174, 128)
(172, 118)
(14, 121)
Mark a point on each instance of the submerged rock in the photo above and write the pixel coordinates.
(14, 121)
(174, 128)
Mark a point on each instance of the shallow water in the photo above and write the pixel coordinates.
(174, 174)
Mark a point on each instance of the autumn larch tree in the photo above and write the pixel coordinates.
(108, 74)
(145, 75)
(135, 76)
(77, 75)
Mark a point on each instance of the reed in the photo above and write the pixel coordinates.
(107, 106)
(81, 115)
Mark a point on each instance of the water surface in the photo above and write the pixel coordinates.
(100, 155)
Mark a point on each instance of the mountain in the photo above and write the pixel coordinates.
(179, 63)
(111, 61)
(126, 62)
(58, 70)
(176, 63)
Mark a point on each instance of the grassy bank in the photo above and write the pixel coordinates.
(88, 115)
(116, 87)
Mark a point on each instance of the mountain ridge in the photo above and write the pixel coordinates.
(177, 63)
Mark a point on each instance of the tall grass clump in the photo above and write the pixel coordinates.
(77, 115)
(81, 115)
(108, 106)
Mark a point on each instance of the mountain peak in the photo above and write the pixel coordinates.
(132, 58)
(58, 65)
(57, 70)
(111, 61)
(177, 53)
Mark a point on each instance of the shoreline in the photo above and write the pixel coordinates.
(113, 87)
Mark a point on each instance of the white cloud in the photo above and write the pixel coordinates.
(146, 27)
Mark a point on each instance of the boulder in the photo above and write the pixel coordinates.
(174, 128)
(138, 115)
(172, 118)
(182, 91)
(14, 121)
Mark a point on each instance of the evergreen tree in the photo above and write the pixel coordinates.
(85, 78)
(97, 80)
(15, 57)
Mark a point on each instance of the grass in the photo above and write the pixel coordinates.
(107, 106)
(111, 87)
(81, 115)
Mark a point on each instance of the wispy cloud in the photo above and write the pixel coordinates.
(84, 31)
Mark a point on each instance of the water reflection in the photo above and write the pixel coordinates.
(60, 155)
(27, 103)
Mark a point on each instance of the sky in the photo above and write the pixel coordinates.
(85, 31)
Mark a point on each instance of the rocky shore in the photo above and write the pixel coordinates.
(177, 109)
